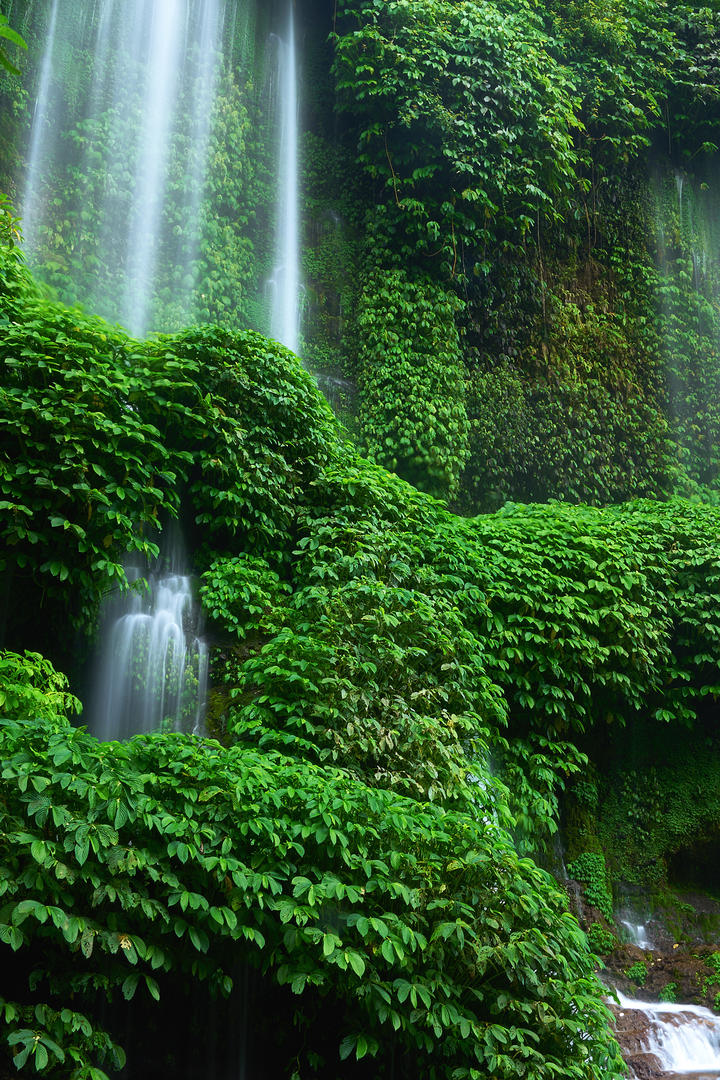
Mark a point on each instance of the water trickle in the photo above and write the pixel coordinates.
(636, 933)
(285, 280)
(153, 667)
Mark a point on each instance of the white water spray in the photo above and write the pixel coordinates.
(285, 281)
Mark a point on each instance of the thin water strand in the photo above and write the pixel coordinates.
(40, 135)
(208, 69)
(285, 281)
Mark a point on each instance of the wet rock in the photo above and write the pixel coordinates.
(646, 1067)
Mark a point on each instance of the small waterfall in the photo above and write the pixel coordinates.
(661, 1039)
(153, 668)
(41, 134)
(636, 933)
(285, 281)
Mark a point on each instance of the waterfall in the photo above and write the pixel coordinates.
(166, 22)
(285, 281)
(125, 172)
(659, 1038)
(120, 158)
(636, 933)
(151, 197)
(153, 667)
(201, 129)
(41, 135)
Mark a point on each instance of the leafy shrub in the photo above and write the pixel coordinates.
(600, 940)
(589, 868)
(668, 992)
(464, 117)
(637, 973)
(412, 408)
(31, 688)
(101, 436)
(240, 591)
(167, 854)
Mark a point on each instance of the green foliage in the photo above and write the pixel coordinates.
(412, 409)
(534, 771)
(30, 688)
(8, 34)
(637, 972)
(664, 800)
(100, 437)
(639, 66)
(9, 224)
(465, 119)
(668, 992)
(376, 651)
(600, 940)
(589, 868)
(167, 854)
(712, 962)
(596, 374)
(580, 414)
(239, 592)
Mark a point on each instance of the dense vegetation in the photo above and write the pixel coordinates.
(554, 166)
(376, 655)
(542, 178)
(522, 285)
(356, 725)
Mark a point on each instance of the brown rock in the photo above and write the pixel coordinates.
(646, 1067)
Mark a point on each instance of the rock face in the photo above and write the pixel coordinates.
(686, 968)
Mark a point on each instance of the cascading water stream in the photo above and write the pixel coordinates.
(668, 1040)
(154, 663)
(201, 129)
(636, 933)
(136, 144)
(165, 42)
(285, 281)
(133, 163)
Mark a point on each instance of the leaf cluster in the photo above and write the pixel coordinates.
(170, 855)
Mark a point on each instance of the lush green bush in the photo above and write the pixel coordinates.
(589, 868)
(167, 854)
(374, 649)
(412, 408)
(637, 973)
(101, 438)
(465, 117)
(600, 940)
